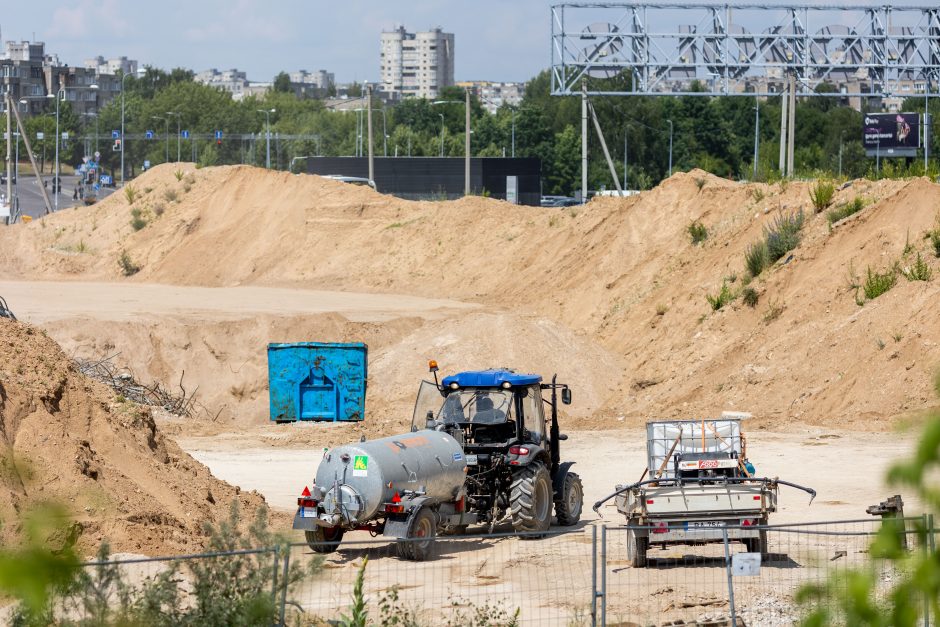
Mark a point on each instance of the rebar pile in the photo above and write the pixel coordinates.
(122, 381)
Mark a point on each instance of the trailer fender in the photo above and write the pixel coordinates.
(558, 481)
(399, 525)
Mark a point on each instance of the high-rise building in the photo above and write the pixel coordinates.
(417, 64)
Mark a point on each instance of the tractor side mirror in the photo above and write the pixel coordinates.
(562, 436)
(430, 423)
(566, 396)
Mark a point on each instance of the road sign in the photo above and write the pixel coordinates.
(218, 134)
(97, 155)
(115, 134)
(148, 134)
(65, 135)
(185, 134)
(40, 135)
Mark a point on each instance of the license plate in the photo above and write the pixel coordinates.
(704, 524)
(308, 512)
(471, 460)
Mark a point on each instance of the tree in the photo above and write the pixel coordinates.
(282, 83)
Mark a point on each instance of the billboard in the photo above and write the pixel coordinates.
(896, 134)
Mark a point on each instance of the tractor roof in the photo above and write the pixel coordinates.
(491, 378)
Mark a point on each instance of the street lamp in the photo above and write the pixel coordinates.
(670, 147)
(267, 117)
(124, 76)
(56, 178)
(442, 133)
(178, 131)
(756, 133)
(166, 135)
(466, 103)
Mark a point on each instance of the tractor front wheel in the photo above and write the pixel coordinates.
(530, 499)
(569, 503)
(419, 545)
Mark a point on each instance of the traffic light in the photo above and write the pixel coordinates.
(117, 145)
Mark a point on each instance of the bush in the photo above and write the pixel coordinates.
(697, 232)
(918, 271)
(821, 194)
(159, 208)
(935, 240)
(127, 264)
(783, 235)
(699, 183)
(179, 175)
(845, 210)
(756, 258)
(877, 283)
(130, 192)
(170, 195)
(750, 296)
(722, 298)
(137, 220)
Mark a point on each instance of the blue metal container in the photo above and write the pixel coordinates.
(319, 381)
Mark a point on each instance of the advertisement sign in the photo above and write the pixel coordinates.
(891, 134)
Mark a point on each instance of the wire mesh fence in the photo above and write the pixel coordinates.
(588, 576)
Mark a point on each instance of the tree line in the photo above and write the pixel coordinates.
(715, 134)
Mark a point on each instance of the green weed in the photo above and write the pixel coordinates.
(130, 192)
(724, 296)
(756, 258)
(783, 235)
(845, 210)
(877, 283)
(128, 267)
(821, 194)
(697, 232)
(750, 296)
(918, 271)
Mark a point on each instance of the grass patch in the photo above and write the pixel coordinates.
(877, 283)
(137, 220)
(756, 258)
(699, 183)
(661, 309)
(128, 267)
(170, 195)
(934, 236)
(918, 271)
(724, 296)
(159, 208)
(750, 297)
(783, 235)
(697, 232)
(179, 175)
(130, 192)
(845, 210)
(821, 194)
(774, 311)
(757, 194)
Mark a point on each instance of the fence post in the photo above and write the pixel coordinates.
(604, 575)
(734, 616)
(284, 582)
(928, 546)
(276, 550)
(593, 576)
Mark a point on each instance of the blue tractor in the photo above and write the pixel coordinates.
(507, 425)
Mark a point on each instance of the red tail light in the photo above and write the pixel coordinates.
(306, 502)
(391, 508)
(756, 497)
(518, 450)
(649, 501)
(660, 527)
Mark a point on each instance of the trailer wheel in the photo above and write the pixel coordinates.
(530, 498)
(568, 507)
(758, 545)
(324, 539)
(636, 549)
(420, 543)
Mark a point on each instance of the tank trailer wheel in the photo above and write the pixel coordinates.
(530, 498)
(415, 548)
(324, 539)
(568, 506)
(636, 549)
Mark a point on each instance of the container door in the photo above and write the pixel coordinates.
(319, 397)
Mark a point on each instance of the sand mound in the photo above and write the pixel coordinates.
(68, 440)
(619, 273)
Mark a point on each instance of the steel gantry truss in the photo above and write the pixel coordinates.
(745, 49)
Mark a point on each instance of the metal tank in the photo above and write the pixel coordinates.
(355, 480)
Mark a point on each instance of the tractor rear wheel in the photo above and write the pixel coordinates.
(419, 544)
(636, 549)
(530, 498)
(569, 503)
(324, 539)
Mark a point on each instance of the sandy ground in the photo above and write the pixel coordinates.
(689, 583)
(122, 302)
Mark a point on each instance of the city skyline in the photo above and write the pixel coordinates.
(346, 42)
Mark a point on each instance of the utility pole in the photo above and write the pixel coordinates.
(756, 132)
(791, 130)
(584, 151)
(625, 158)
(466, 166)
(369, 113)
(670, 147)
(784, 102)
(7, 101)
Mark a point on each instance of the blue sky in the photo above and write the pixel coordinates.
(495, 40)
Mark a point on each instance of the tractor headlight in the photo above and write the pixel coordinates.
(454, 385)
(507, 384)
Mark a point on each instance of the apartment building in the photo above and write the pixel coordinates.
(416, 64)
(494, 94)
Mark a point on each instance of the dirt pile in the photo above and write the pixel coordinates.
(619, 276)
(68, 440)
